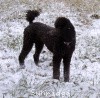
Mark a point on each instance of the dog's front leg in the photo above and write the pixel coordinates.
(66, 61)
(56, 66)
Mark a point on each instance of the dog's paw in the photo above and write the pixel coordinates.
(22, 66)
(66, 79)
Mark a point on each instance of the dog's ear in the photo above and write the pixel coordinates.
(61, 22)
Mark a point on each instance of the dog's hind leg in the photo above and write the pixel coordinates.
(27, 46)
(56, 66)
(38, 49)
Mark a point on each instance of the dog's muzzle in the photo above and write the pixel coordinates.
(67, 43)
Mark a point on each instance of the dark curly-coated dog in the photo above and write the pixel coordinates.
(60, 40)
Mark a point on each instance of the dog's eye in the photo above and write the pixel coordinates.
(69, 28)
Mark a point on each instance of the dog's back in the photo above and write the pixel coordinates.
(39, 31)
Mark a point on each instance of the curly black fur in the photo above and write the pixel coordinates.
(30, 16)
(59, 40)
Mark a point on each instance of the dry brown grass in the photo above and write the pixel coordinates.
(89, 6)
(83, 8)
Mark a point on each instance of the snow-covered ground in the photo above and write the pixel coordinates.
(36, 81)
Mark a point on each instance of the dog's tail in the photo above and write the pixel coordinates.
(31, 14)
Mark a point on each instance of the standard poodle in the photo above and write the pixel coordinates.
(60, 40)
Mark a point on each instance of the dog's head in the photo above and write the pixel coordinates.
(67, 30)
